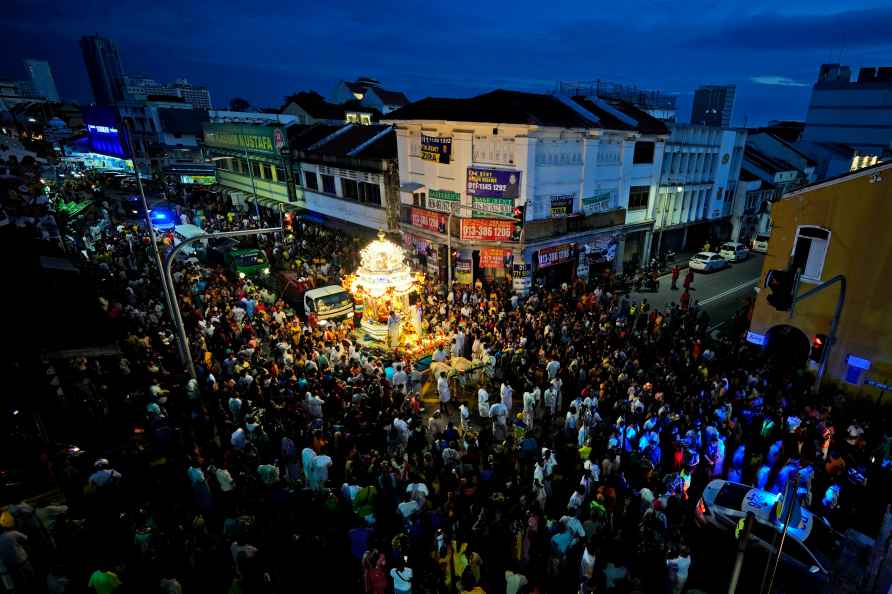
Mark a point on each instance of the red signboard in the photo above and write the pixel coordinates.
(493, 258)
(557, 254)
(426, 219)
(487, 230)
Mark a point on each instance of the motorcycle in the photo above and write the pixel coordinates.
(647, 283)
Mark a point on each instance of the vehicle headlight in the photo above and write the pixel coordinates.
(241, 275)
(266, 271)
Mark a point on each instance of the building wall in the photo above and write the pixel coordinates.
(856, 211)
(340, 207)
(858, 115)
(713, 106)
(42, 79)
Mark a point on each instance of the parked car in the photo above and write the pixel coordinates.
(811, 546)
(760, 243)
(707, 261)
(734, 251)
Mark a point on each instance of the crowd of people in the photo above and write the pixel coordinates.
(298, 459)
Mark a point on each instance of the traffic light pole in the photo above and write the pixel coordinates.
(834, 324)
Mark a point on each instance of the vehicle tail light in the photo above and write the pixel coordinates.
(701, 508)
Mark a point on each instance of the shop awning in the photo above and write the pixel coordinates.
(411, 187)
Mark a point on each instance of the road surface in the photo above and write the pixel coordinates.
(720, 293)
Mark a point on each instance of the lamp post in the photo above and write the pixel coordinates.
(183, 339)
(168, 289)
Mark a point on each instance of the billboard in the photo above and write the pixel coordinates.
(262, 140)
(442, 200)
(483, 206)
(425, 219)
(489, 230)
(103, 132)
(436, 148)
(562, 205)
(557, 254)
(493, 258)
(493, 183)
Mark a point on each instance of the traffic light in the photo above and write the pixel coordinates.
(781, 284)
(818, 344)
(518, 213)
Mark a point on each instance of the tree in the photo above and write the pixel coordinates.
(239, 104)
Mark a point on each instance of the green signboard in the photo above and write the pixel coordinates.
(442, 200)
(484, 206)
(264, 140)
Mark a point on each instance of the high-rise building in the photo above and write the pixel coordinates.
(857, 114)
(42, 79)
(140, 88)
(713, 105)
(104, 69)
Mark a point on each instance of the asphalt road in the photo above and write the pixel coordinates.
(720, 293)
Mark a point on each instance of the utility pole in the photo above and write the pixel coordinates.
(183, 339)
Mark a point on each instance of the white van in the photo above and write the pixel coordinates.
(760, 243)
(328, 303)
(734, 251)
(183, 232)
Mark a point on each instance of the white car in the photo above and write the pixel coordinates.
(734, 251)
(812, 545)
(760, 243)
(707, 261)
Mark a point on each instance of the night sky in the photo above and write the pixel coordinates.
(264, 51)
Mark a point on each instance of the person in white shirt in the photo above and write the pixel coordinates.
(506, 393)
(678, 570)
(402, 578)
(483, 403)
(587, 569)
(529, 409)
(499, 415)
(443, 392)
(514, 581)
(464, 414)
(439, 355)
(552, 368)
(400, 379)
(314, 406)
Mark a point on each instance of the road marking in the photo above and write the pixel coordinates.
(723, 294)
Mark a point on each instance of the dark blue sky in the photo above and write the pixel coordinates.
(263, 51)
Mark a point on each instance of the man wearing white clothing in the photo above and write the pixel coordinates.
(483, 403)
(443, 392)
(507, 392)
(552, 368)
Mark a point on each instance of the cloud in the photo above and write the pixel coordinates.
(864, 28)
(780, 81)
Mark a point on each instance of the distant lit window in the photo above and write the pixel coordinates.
(809, 252)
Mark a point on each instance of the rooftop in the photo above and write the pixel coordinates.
(390, 97)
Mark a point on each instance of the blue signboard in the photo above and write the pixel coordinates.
(103, 132)
(495, 183)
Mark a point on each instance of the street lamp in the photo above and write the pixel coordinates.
(183, 339)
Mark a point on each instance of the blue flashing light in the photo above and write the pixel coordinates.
(858, 362)
(160, 215)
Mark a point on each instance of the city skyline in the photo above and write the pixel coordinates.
(773, 58)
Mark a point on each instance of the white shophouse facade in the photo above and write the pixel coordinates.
(570, 183)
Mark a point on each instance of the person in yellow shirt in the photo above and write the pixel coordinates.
(469, 585)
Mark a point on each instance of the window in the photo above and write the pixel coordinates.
(280, 174)
(296, 173)
(809, 252)
(419, 199)
(349, 189)
(328, 184)
(370, 193)
(255, 169)
(644, 152)
(638, 197)
(310, 179)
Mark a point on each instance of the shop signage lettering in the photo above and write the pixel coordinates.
(431, 221)
(493, 258)
(600, 202)
(489, 230)
(557, 254)
(562, 205)
(521, 270)
(436, 148)
(244, 137)
(483, 206)
(442, 200)
(464, 272)
(495, 183)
